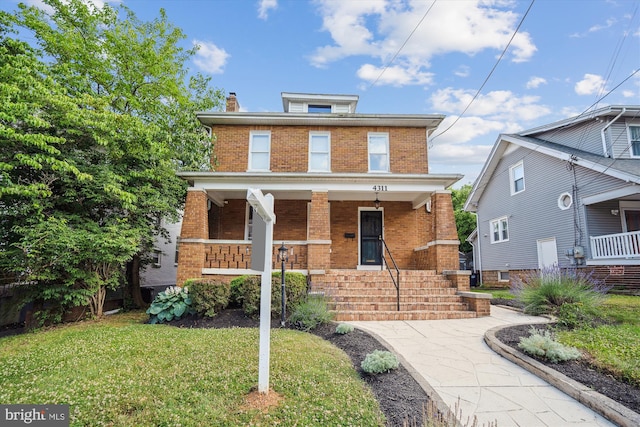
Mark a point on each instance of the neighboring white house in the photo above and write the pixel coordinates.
(162, 271)
(565, 194)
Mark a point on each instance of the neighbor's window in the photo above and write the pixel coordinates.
(156, 258)
(634, 140)
(565, 201)
(319, 152)
(503, 276)
(499, 230)
(378, 152)
(175, 260)
(516, 173)
(259, 150)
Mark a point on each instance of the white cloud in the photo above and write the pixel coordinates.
(500, 105)
(591, 84)
(210, 58)
(394, 75)
(264, 6)
(99, 4)
(535, 82)
(378, 28)
(462, 71)
(629, 94)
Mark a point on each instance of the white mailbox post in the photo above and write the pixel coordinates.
(261, 247)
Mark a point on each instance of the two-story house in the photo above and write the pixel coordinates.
(353, 198)
(563, 194)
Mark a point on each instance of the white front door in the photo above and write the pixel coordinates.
(547, 253)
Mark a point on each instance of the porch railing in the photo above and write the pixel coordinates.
(621, 245)
(396, 279)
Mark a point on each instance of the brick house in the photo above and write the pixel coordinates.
(353, 198)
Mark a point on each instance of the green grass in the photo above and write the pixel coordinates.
(614, 348)
(495, 293)
(120, 372)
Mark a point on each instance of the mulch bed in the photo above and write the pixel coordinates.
(401, 398)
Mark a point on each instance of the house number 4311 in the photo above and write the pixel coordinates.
(379, 188)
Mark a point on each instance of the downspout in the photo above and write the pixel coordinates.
(479, 237)
(604, 142)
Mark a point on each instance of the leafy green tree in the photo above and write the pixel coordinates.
(95, 124)
(465, 221)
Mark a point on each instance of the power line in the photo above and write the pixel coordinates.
(403, 45)
(489, 75)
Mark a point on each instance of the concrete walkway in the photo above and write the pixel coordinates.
(453, 359)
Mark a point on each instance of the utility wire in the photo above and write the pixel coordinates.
(403, 45)
(489, 75)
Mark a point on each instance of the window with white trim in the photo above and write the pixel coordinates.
(503, 276)
(378, 151)
(319, 152)
(259, 150)
(634, 141)
(516, 174)
(499, 230)
(156, 258)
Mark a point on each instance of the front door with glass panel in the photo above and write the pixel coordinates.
(370, 232)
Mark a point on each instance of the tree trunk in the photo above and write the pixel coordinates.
(133, 282)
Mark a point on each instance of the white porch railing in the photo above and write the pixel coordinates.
(621, 245)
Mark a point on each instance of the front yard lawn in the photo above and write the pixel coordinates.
(121, 372)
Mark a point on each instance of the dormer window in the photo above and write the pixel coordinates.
(315, 108)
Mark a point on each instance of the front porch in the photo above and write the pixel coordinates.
(618, 247)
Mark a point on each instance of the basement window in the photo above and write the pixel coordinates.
(503, 276)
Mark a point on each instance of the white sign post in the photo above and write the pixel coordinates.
(261, 247)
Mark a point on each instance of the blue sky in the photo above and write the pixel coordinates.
(419, 57)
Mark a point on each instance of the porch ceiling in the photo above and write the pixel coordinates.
(416, 189)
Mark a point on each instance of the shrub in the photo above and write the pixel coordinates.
(344, 328)
(545, 291)
(237, 292)
(573, 315)
(295, 290)
(379, 361)
(543, 344)
(172, 303)
(208, 296)
(311, 313)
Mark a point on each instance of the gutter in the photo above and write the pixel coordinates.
(604, 142)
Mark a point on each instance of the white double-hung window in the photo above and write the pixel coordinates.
(499, 230)
(319, 152)
(516, 174)
(634, 141)
(378, 152)
(259, 150)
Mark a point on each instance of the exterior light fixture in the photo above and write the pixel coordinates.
(376, 202)
(283, 256)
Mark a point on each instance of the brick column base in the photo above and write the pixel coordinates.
(480, 303)
(460, 278)
(190, 261)
(319, 257)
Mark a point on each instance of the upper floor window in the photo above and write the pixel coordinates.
(378, 152)
(499, 230)
(516, 174)
(314, 108)
(319, 152)
(634, 141)
(259, 150)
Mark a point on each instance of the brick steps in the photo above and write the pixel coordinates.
(403, 315)
(371, 295)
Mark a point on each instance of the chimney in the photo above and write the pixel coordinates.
(232, 103)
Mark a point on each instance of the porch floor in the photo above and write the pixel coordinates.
(371, 295)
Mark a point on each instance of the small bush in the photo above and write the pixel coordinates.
(208, 296)
(343, 329)
(543, 344)
(545, 291)
(574, 315)
(311, 313)
(295, 291)
(379, 361)
(237, 292)
(172, 303)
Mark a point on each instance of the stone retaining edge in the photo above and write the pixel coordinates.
(608, 408)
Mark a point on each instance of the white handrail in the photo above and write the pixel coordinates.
(620, 245)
